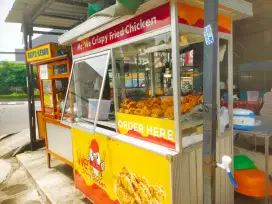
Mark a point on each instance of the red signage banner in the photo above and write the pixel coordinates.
(145, 22)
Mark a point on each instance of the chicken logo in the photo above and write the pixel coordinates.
(94, 159)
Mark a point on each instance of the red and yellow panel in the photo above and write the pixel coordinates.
(194, 16)
(104, 170)
(155, 130)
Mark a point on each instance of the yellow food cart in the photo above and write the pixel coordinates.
(136, 117)
(53, 64)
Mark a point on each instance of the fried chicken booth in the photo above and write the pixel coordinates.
(136, 117)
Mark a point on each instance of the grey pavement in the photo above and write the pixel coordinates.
(17, 188)
(10, 144)
(55, 185)
(14, 118)
(5, 170)
(13, 103)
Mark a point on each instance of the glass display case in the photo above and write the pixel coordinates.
(137, 85)
(54, 78)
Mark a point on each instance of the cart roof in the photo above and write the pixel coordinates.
(55, 14)
(237, 9)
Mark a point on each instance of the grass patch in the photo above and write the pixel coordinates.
(21, 96)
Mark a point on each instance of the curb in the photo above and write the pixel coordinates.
(13, 103)
(7, 135)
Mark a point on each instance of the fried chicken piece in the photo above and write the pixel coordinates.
(132, 110)
(132, 104)
(157, 193)
(124, 196)
(144, 192)
(132, 189)
(156, 101)
(122, 110)
(145, 112)
(125, 181)
(156, 113)
(169, 113)
(200, 99)
(138, 111)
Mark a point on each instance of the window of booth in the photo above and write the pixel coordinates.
(89, 98)
(144, 87)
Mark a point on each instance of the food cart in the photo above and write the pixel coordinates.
(53, 64)
(130, 144)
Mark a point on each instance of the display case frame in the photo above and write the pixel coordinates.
(50, 122)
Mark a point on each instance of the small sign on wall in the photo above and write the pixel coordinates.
(208, 34)
(44, 71)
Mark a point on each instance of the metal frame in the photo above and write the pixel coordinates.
(82, 59)
(114, 76)
(31, 103)
(176, 72)
(230, 102)
(66, 96)
(210, 79)
(102, 87)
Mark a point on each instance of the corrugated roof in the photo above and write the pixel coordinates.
(51, 13)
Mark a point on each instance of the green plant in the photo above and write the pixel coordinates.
(17, 96)
(13, 78)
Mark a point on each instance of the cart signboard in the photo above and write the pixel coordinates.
(109, 171)
(44, 52)
(39, 53)
(155, 130)
(143, 23)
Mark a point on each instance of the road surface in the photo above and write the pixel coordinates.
(14, 118)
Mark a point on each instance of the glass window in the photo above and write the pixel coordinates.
(144, 83)
(88, 98)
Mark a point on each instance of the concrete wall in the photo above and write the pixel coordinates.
(253, 36)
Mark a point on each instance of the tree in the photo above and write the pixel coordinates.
(13, 75)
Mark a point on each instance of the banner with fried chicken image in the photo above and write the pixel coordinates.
(108, 171)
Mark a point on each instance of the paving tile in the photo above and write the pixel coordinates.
(56, 184)
(18, 188)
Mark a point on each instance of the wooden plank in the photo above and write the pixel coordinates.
(217, 175)
(177, 179)
(193, 177)
(185, 180)
(199, 172)
(223, 174)
(227, 152)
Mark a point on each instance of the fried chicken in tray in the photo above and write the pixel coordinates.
(133, 189)
(159, 108)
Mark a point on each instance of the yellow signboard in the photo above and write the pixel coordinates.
(156, 130)
(39, 53)
(111, 172)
